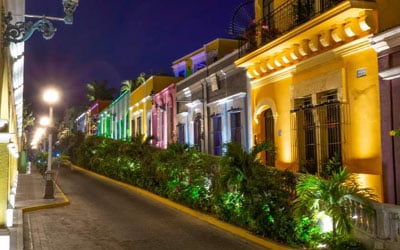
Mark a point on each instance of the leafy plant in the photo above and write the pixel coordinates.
(332, 196)
(333, 165)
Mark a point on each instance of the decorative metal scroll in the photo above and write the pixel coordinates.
(22, 31)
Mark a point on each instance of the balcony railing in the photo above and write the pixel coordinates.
(379, 229)
(281, 20)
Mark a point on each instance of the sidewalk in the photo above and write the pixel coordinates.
(29, 197)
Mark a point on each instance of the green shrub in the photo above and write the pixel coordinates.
(237, 187)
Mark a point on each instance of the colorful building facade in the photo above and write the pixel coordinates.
(141, 105)
(11, 114)
(314, 84)
(87, 122)
(114, 121)
(387, 45)
(203, 81)
(163, 112)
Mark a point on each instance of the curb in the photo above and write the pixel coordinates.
(204, 217)
(65, 202)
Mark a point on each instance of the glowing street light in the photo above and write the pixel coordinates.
(44, 121)
(50, 96)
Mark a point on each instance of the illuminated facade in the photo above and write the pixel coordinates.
(114, 121)
(387, 44)
(11, 114)
(141, 106)
(205, 81)
(87, 122)
(163, 117)
(314, 83)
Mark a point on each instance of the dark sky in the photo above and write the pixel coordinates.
(115, 40)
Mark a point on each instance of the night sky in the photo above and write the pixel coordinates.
(115, 40)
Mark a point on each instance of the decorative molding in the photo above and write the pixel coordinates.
(273, 77)
(390, 73)
(345, 38)
(321, 83)
(386, 40)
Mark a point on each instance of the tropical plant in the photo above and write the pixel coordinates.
(99, 91)
(27, 122)
(333, 165)
(140, 79)
(332, 196)
(239, 165)
(127, 85)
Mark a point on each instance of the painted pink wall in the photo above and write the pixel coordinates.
(166, 99)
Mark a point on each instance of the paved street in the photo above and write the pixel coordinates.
(104, 216)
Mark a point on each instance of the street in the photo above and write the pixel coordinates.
(104, 216)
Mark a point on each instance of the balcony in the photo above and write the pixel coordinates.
(284, 19)
(379, 229)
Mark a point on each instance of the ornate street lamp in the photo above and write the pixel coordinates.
(22, 31)
(50, 96)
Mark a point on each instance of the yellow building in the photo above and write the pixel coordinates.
(141, 103)
(11, 102)
(315, 84)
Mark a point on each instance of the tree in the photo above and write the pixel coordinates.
(99, 91)
(28, 121)
(332, 196)
(129, 85)
(140, 79)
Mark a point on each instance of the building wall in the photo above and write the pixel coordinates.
(332, 62)
(387, 44)
(141, 103)
(11, 91)
(163, 117)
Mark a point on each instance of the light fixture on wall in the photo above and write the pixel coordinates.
(21, 31)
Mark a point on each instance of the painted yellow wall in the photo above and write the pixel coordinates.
(277, 97)
(363, 97)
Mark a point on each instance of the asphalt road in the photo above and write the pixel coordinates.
(104, 216)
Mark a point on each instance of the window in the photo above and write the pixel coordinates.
(268, 26)
(133, 126)
(181, 73)
(236, 127)
(197, 132)
(318, 130)
(181, 133)
(329, 115)
(217, 131)
(199, 66)
(269, 136)
(139, 125)
(268, 8)
(149, 125)
(306, 138)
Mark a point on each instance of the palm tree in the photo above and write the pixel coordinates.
(332, 196)
(129, 85)
(140, 80)
(99, 91)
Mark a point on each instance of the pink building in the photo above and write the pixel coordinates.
(163, 117)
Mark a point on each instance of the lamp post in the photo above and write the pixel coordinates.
(50, 96)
